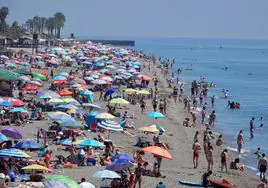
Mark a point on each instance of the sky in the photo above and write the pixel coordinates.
(247, 19)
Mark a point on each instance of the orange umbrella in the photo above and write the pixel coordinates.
(155, 150)
(65, 92)
(30, 88)
(145, 78)
(60, 82)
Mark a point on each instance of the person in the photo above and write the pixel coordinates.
(203, 114)
(261, 122)
(240, 141)
(205, 178)
(160, 185)
(196, 136)
(219, 141)
(262, 166)
(138, 175)
(236, 166)
(196, 153)
(143, 105)
(213, 100)
(224, 156)
(210, 158)
(251, 127)
(2, 180)
(47, 158)
(212, 118)
(258, 153)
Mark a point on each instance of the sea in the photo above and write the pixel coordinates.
(246, 80)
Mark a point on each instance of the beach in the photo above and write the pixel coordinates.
(179, 138)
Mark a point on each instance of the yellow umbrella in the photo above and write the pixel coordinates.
(130, 91)
(119, 101)
(144, 92)
(68, 100)
(150, 129)
(36, 167)
(56, 113)
(105, 116)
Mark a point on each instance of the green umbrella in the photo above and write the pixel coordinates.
(25, 64)
(12, 65)
(6, 75)
(64, 179)
(24, 71)
(40, 76)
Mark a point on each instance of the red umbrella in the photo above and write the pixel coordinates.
(30, 88)
(65, 92)
(60, 82)
(17, 102)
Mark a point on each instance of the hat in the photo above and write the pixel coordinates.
(2, 176)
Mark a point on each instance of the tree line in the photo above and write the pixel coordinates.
(37, 24)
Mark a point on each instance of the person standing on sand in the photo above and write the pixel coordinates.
(203, 115)
(262, 166)
(196, 136)
(193, 118)
(154, 103)
(240, 141)
(212, 118)
(210, 158)
(224, 157)
(196, 153)
(138, 175)
(251, 127)
(165, 105)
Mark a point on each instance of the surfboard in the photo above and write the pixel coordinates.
(192, 184)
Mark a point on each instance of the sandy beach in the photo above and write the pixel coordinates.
(179, 138)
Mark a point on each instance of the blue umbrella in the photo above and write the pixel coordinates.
(110, 91)
(5, 103)
(91, 143)
(28, 144)
(66, 142)
(15, 110)
(119, 165)
(86, 92)
(67, 106)
(155, 115)
(3, 138)
(123, 156)
(59, 78)
(72, 123)
(99, 64)
(106, 174)
(61, 117)
(64, 74)
(14, 153)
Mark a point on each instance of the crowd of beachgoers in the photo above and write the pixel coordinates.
(93, 115)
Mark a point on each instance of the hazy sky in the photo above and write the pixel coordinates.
(191, 18)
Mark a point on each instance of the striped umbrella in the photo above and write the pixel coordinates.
(14, 153)
(110, 125)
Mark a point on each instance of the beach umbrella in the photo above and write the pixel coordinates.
(51, 114)
(76, 85)
(70, 100)
(106, 174)
(64, 179)
(66, 142)
(5, 103)
(35, 83)
(61, 82)
(67, 106)
(50, 93)
(70, 123)
(99, 82)
(25, 78)
(25, 64)
(3, 138)
(143, 92)
(119, 165)
(40, 63)
(49, 184)
(75, 111)
(65, 92)
(30, 88)
(40, 76)
(110, 91)
(55, 100)
(64, 74)
(130, 91)
(105, 116)
(18, 110)
(123, 156)
(45, 96)
(149, 129)
(119, 101)
(12, 133)
(110, 125)
(158, 151)
(7, 75)
(60, 117)
(59, 78)
(36, 167)
(155, 115)
(12, 152)
(28, 144)
(91, 105)
(17, 102)
(91, 143)
(4, 57)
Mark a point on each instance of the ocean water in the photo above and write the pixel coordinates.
(246, 79)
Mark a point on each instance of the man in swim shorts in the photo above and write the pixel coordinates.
(262, 166)
(196, 153)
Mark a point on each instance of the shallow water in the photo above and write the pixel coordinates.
(208, 57)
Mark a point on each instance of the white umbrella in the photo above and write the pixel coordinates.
(87, 185)
(106, 174)
(99, 82)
